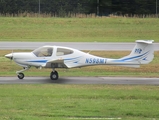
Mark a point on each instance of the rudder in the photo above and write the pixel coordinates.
(142, 53)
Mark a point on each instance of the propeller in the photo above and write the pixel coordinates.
(12, 55)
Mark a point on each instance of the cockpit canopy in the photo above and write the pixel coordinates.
(43, 52)
(47, 51)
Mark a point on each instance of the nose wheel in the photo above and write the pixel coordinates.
(54, 75)
(20, 75)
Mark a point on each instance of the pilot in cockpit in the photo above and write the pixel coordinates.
(49, 52)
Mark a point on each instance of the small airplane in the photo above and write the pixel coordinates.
(65, 57)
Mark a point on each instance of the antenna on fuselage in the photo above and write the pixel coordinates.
(89, 51)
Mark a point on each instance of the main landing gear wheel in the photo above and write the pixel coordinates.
(54, 75)
(20, 75)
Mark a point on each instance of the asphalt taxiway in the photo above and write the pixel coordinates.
(77, 45)
(82, 80)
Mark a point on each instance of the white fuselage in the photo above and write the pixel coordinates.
(77, 59)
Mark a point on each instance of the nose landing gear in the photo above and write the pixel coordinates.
(20, 75)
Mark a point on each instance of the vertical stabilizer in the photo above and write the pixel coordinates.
(142, 53)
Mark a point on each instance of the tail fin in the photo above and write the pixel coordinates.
(143, 53)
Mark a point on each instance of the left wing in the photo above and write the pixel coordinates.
(58, 63)
(65, 62)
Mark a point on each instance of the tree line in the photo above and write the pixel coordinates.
(64, 7)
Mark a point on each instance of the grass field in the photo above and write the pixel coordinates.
(78, 29)
(47, 102)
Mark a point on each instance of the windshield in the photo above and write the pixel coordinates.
(43, 52)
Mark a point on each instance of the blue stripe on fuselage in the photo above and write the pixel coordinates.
(130, 58)
(38, 61)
